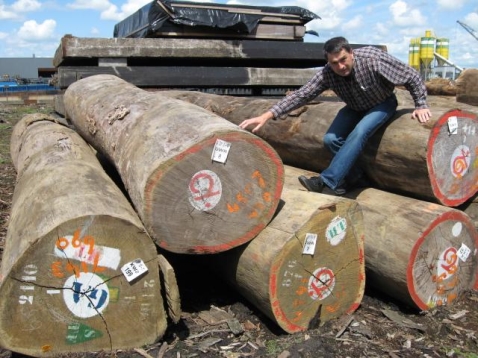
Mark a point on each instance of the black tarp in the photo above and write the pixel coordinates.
(156, 15)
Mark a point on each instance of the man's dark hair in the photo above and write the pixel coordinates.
(336, 44)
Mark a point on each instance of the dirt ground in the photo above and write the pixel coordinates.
(380, 327)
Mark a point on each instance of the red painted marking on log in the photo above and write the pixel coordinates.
(361, 256)
(436, 183)
(451, 215)
(353, 307)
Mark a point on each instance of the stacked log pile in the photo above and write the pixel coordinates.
(78, 270)
(427, 162)
(158, 146)
(420, 253)
(307, 266)
(199, 183)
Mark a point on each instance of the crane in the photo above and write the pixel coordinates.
(469, 29)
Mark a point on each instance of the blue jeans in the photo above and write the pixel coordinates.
(347, 136)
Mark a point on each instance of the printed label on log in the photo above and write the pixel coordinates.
(205, 190)
(220, 151)
(134, 269)
(87, 295)
(336, 231)
(321, 283)
(463, 252)
(453, 125)
(309, 244)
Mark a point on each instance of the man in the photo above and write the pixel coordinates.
(365, 80)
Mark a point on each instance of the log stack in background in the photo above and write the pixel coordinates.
(162, 148)
(70, 234)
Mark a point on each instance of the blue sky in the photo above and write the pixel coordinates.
(34, 27)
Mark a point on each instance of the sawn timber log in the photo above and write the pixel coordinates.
(420, 253)
(71, 231)
(199, 183)
(307, 266)
(423, 161)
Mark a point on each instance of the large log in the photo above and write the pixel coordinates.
(163, 150)
(71, 233)
(467, 87)
(300, 290)
(404, 157)
(420, 253)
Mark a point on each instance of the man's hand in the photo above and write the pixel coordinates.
(258, 121)
(422, 114)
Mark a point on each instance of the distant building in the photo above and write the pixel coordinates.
(26, 67)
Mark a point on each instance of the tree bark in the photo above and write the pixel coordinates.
(414, 250)
(297, 290)
(71, 231)
(162, 149)
(422, 161)
(467, 87)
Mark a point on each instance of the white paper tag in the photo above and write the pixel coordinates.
(309, 244)
(220, 151)
(134, 269)
(453, 125)
(463, 252)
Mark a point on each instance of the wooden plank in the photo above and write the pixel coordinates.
(73, 51)
(177, 77)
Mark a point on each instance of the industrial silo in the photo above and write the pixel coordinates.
(416, 54)
(427, 49)
(443, 49)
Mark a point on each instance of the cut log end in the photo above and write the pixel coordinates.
(443, 263)
(65, 292)
(451, 157)
(309, 290)
(221, 205)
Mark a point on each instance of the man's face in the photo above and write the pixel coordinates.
(341, 62)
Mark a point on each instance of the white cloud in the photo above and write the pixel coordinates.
(90, 5)
(451, 4)
(130, 7)
(26, 5)
(33, 31)
(404, 16)
(354, 23)
(472, 20)
(382, 29)
(6, 14)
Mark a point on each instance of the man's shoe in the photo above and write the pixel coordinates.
(314, 184)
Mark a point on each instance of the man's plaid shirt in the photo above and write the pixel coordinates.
(374, 76)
